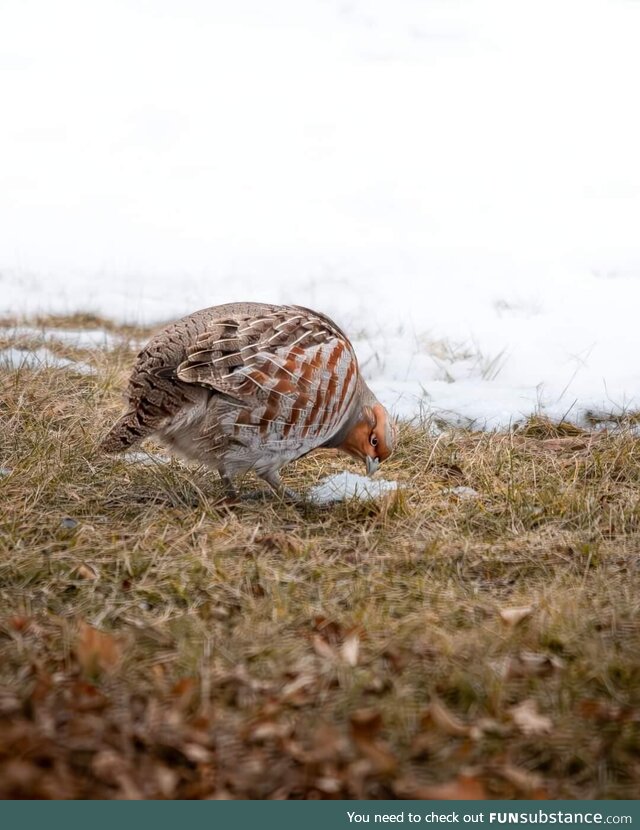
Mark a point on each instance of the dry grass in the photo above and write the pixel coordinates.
(157, 642)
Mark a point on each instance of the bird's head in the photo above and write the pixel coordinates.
(372, 438)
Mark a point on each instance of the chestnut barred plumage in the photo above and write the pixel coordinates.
(251, 386)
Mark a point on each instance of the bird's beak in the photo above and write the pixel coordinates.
(372, 465)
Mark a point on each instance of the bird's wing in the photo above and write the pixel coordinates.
(294, 371)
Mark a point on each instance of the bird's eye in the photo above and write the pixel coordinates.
(373, 440)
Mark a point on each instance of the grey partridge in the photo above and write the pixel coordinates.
(251, 386)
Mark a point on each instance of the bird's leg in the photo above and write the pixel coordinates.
(278, 486)
(229, 490)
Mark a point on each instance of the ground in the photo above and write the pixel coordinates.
(474, 634)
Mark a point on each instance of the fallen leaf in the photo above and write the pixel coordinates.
(96, 650)
(108, 766)
(166, 779)
(439, 716)
(513, 616)
(322, 647)
(605, 711)
(527, 783)
(365, 723)
(378, 685)
(425, 744)
(296, 691)
(329, 629)
(9, 704)
(18, 622)
(197, 754)
(365, 727)
(466, 787)
(527, 718)
(328, 785)
(328, 744)
(267, 729)
(490, 726)
(87, 697)
(379, 754)
(528, 664)
(350, 650)
(86, 572)
(397, 659)
(183, 692)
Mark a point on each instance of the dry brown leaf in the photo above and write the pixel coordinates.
(328, 785)
(18, 622)
(109, 766)
(528, 664)
(513, 616)
(351, 649)
(85, 571)
(527, 718)
(331, 630)
(439, 716)
(365, 727)
(328, 745)
(197, 754)
(322, 647)
(490, 726)
(166, 779)
(534, 663)
(10, 704)
(605, 711)
(183, 692)
(96, 650)
(266, 729)
(380, 756)
(87, 698)
(365, 723)
(397, 659)
(296, 691)
(19, 774)
(526, 783)
(466, 787)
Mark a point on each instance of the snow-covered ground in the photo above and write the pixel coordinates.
(457, 182)
(38, 358)
(349, 486)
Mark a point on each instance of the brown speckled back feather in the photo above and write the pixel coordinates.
(243, 386)
(154, 393)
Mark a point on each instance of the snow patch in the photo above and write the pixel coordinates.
(348, 486)
(40, 359)
(78, 338)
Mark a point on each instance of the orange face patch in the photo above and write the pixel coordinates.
(384, 432)
(357, 442)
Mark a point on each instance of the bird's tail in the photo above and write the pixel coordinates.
(126, 432)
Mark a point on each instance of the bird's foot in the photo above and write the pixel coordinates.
(231, 495)
(281, 490)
